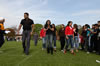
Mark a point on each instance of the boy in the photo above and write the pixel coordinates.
(2, 31)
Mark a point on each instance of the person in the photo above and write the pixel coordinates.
(69, 32)
(35, 38)
(93, 35)
(76, 38)
(28, 26)
(2, 32)
(49, 36)
(43, 37)
(84, 35)
(61, 34)
(98, 38)
(54, 36)
(2, 20)
(87, 45)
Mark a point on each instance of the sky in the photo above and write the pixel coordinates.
(58, 11)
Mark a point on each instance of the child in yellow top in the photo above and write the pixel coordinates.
(2, 20)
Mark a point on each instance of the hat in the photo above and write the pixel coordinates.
(1, 18)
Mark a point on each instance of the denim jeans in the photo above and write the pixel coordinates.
(49, 39)
(62, 42)
(70, 42)
(44, 42)
(87, 44)
(26, 37)
(76, 42)
(35, 42)
(54, 40)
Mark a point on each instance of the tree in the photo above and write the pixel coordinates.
(58, 27)
(37, 28)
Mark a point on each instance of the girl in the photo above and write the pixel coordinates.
(76, 38)
(54, 36)
(43, 37)
(62, 37)
(49, 36)
(69, 36)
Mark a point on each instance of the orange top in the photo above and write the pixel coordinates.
(2, 26)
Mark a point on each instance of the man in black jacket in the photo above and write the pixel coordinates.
(28, 26)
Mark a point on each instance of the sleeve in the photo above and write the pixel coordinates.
(41, 33)
(32, 22)
(21, 22)
(66, 31)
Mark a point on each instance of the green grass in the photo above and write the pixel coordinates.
(13, 56)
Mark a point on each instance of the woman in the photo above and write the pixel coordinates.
(69, 33)
(83, 34)
(87, 45)
(43, 37)
(54, 36)
(49, 36)
(62, 37)
(76, 38)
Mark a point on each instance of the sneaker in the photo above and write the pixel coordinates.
(42, 48)
(62, 51)
(97, 61)
(88, 52)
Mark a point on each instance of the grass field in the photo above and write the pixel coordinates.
(13, 56)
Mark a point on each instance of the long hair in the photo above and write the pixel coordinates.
(47, 22)
(69, 23)
(87, 26)
(54, 25)
(75, 26)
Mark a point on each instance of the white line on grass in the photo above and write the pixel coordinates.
(26, 59)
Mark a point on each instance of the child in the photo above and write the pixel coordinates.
(2, 20)
(76, 38)
(35, 37)
(1, 36)
(2, 31)
(43, 37)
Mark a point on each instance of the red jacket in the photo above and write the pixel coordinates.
(69, 30)
(42, 33)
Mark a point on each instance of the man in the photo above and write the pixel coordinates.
(28, 26)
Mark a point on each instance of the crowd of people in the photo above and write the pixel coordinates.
(68, 36)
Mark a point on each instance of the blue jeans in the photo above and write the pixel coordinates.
(49, 39)
(26, 37)
(76, 42)
(54, 40)
(44, 42)
(70, 42)
(35, 42)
